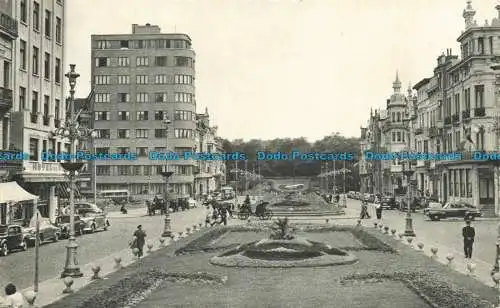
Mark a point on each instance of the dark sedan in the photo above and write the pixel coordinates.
(453, 210)
(388, 203)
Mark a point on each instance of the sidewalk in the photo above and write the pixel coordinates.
(51, 290)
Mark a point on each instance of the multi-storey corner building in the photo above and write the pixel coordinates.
(140, 80)
(458, 111)
(32, 85)
(210, 174)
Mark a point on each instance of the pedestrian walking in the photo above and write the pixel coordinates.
(364, 211)
(378, 211)
(14, 298)
(223, 216)
(468, 233)
(140, 240)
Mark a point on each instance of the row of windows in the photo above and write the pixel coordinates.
(141, 44)
(35, 103)
(144, 133)
(146, 170)
(36, 18)
(35, 64)
(141, 151)
(143, 79)
(179, 115)
(143, 61)
(179, 97)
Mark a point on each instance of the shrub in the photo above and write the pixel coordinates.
(281, 230)
(202, 243)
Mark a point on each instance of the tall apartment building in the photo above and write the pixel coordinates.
(140, 80)
(35, 85)
(458, 110)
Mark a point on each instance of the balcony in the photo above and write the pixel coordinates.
(46, 120)
(57, 123)
(433, 132)
(5, 100)
(388, 125)
(455, 118)
(419, 131)
(8, 26)
(34, 117)
(465, 114)
(479, 112)
(447, 121)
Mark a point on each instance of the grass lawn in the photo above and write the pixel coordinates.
(403, 278)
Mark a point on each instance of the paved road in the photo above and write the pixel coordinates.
(18, 267)
(445, 232)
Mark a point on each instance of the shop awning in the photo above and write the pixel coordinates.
(12, 192)
(62, 191)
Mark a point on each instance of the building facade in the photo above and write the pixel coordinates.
(210, 174)
(36, 87)
(458, 110)
(141, 80)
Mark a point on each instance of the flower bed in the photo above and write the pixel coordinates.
(135, 288)
(435, 292)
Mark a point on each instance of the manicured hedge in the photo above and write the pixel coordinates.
(430, 288)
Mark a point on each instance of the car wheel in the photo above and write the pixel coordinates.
(435, 218)
(56, 237)
(469, 217)
(92, 228)
(24, 245)
(5, 250)
(41, 239)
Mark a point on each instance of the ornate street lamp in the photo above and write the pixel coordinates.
(408, 171)
(73, 132)
(167, 232)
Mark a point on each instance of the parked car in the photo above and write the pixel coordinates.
(93, 220)
(388, 203)
(47, 231)
(432, 205)
(453, 210)
(63, 223)
(11, 238)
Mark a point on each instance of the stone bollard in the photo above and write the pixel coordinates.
(95, 269)
(30, 298)
(359, 223)
(393, 232)
(400, 236)
(180, 234)
(172, 237)
(409, 239)
(135, 251)
(496, 278)
(188, 230)
(162, 242)
(471, 267)
(450, 258)
(195, 227)
(434, 252)
(327, 221)
(118, 263)
(68, 282)
(381, 227)
(375, 224)
(150, 247)
(420, 246)
(200, 225)
(386, 229)
(248, 221)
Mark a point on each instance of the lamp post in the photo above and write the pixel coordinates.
(73, 132)
(408, 172)
(167, 232)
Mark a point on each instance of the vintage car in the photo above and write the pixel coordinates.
(47, 231)
(63, 223)
(389, 203)
(93, 220)
(453, 210)
(11, 238)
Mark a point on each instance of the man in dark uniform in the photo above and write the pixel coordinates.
(468, 232)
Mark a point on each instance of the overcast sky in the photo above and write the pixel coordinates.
(286, 68)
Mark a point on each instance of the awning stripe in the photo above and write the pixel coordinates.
(62, 191)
